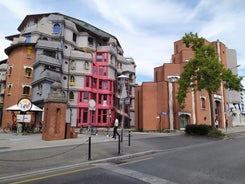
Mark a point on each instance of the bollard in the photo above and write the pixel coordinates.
(129, 136)
(119, 143)
(89, 148)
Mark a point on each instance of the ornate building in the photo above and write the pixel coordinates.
(86, 60)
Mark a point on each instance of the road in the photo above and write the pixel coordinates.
(179, 160)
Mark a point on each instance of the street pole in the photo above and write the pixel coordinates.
(122, 101)
(122, 129)
(91, 108)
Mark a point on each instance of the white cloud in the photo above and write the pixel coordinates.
(146, 29)
(17, 8)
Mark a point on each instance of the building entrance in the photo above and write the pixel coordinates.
(183, 121)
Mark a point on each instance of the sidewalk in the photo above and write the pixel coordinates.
(11, 141)
(236, 129)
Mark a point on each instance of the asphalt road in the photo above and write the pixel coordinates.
(179, 159)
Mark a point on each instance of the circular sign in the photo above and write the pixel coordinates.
(24, 104)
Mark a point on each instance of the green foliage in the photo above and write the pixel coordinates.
(197, 129)
(215, 133)
(203, 130)
(204, 71)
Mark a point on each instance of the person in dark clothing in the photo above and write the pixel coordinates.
(115, 128)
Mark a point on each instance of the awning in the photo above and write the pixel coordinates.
(15, 107)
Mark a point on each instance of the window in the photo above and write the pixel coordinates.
(119, 65)
(105, 57)
(9, 88)
(72, 80)
(28, 71)
(72, 65)
(74, 37)
(102, 116)
(28, 38)
(100, 84)
(90, 41)
(56, 28)
(86, 65)
(26, 90)
(93, 96)
(203, 102)
(105, 86)
(94, 70)
(87, 82)
(94, 85)
(71, 96)
(101, 70)
(28, 51)
(50, 53)
(40, 89)
(105, 70)
(85, 96)
(10, 70)
(99, 57)
(85, 115)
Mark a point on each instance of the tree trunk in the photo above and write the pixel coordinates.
(211, 109)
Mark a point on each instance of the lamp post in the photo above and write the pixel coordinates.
(123, 96)
(171, 79)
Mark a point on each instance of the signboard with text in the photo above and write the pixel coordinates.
(23, 118)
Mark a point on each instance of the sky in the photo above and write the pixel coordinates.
(146, 29)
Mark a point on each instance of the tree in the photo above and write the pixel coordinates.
(204, 71)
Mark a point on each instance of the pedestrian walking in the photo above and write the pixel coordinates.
(217, 123)
(115, 128)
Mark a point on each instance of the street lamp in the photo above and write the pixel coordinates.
(171, 80)
(123, 96)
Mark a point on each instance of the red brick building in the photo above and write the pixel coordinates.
(156, 106)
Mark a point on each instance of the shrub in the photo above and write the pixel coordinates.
(216, 133)
(197, 129)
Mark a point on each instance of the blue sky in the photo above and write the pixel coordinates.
(146, 29)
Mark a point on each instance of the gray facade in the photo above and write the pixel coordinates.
(65, 48)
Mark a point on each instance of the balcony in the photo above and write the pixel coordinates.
(49, 75)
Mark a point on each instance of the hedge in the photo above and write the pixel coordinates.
(201, 129)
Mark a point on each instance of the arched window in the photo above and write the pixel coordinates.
(71, 95)
(28, 71)
(203, 102)
(72, 80)
(56, 28)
